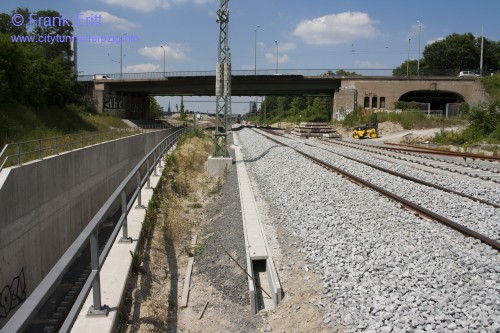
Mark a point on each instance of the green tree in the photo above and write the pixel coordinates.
(407, 69)
(155, 109)
(183, 115)
(35, 73)
(341, 72)
(53, 50)
(451, 55)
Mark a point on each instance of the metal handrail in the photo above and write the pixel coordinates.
(27, 151)
(298, 71)
(29, 309)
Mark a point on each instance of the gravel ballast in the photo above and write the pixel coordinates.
(384, 269)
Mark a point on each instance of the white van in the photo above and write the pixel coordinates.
(468, 74)
(102, 77)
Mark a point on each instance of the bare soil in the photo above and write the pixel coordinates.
(217, 282)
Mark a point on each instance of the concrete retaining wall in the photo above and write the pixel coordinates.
(44, 205)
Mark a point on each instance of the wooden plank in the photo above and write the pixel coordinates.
(187, 278)
(203, 311)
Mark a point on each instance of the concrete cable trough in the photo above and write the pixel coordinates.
(263, 279)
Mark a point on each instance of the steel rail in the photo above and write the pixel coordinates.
(434, 151)
(411, 205)
(373, 149)
(413, 179)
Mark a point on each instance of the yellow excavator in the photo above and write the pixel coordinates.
(367, 131)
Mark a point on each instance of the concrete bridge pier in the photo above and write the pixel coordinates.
(122, 104)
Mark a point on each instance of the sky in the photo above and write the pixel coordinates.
(366, 36)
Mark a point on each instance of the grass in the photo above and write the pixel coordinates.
(56, 129)
(186, 184)
(492, 85)
(407, 119)
(22, 123)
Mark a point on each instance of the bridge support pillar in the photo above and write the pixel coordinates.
(122, 104)
(344, 101)
(98, 97)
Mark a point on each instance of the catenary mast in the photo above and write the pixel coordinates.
(222, 82)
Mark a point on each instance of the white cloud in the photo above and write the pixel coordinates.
(173, 51)
(271, 58)
(286, 46)
(110, 20)
(367, 64)
(429, 42)
(141, 68)
(336, 28)
(150, 5)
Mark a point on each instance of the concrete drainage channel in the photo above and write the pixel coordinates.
(264, 287)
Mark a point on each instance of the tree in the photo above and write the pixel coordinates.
(341, 72)
(53, 50)
(183, 115)
(155, 109)
(407, 69)
(451, 55)
(35, 73)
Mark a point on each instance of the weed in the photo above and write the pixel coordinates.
(196, 205)
(137, 259)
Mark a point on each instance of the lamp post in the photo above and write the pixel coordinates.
(408, 61)
(277, 56)
(255, 50)
(419, 32)
(163, 59)
(121, 56)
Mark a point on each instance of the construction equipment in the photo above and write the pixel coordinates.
(367, 131)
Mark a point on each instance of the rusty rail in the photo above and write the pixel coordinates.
(410, 205)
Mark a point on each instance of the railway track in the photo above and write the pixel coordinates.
(494, 243)
(429, 159)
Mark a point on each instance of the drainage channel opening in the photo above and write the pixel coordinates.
(263, 289)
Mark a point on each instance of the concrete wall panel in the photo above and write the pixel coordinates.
(44, 205)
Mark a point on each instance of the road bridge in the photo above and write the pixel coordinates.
(129, 96)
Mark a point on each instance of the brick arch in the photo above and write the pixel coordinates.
(437, 98)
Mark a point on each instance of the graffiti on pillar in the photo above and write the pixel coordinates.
(12, 295)
(114, 105)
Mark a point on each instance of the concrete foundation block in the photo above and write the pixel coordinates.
(216, 166)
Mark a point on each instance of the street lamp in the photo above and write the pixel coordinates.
(121, 56)
(419, 32)
(408, 61)
(276, 42)
(255, 50)
(163, 59)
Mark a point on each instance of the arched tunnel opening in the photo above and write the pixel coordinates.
(437, 99)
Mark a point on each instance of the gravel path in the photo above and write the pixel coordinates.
(383, 268)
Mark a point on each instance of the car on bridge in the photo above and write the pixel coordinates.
(102, 77)
(468, 74)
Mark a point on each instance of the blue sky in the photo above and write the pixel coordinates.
(312, 34)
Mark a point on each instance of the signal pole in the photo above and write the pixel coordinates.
(222, 82)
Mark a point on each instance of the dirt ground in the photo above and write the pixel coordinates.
(219, 303)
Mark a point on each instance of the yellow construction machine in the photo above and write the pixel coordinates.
(367, 131)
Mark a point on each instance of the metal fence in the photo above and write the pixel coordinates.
(164, 75)
(137, 178)
(15, 154)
